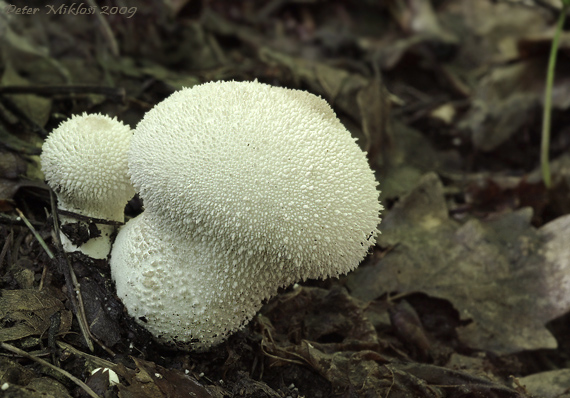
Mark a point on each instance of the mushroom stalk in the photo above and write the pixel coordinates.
(96, 237)
(185, 292)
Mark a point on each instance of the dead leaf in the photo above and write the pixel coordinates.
(503, 276)
(176, 5)
(27, 312)
(552, 384)
(367, 373)
(19, 50)
(418, 16)
(248, 387)
(496, 194)
(319, 77)
(41, 387)
(102, 312)
(328, 317)
(36, 108)
(9, 188)
(374, 107)
(493, 28)
(11, 166)
(153, 381)
(509, 97)
(407, 323)
(13, 372)
(410, 156)
(19, 144)
(175, 80)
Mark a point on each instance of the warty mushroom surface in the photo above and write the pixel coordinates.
(247, 181)
(84, 161)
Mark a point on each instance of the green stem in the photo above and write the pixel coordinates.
(546, 117)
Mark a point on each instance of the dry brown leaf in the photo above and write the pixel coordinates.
(36, 108)
(509, 98)
(503, 276)
(551, 384)
(356, 362)
(329, 317)
(374, 108)
(410, 156)
(319, 77)
(27, 312)
(153, 381)
(41, 387)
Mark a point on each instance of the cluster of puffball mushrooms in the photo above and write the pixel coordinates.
(246, 188)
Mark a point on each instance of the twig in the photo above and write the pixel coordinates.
(43, 278)
(88, 219)
(24, 354)
(393, 381)
(71, 281)
(102, 363)
(74, 286)
(36, 235)
(9, 240)
(7, 219)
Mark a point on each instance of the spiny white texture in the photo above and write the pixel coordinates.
(264, 171)
(84, 161)
(182, 290)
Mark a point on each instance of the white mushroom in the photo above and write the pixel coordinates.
(84, 161)
(183, 291)
(247, 188)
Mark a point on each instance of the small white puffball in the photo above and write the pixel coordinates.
(84, 161)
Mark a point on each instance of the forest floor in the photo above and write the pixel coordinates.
(466, 293)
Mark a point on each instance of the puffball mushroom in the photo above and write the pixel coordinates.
(183, 291)
(247, 188)
(84, 161)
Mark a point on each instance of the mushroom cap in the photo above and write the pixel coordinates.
(183, 291)
(261, 170)
(84, 161)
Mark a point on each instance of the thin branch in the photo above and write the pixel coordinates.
(100, 362)
(36, 235)
(75, 287)
(88, 219)
(17, 351)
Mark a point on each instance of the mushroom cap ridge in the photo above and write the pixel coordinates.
(84, 161)
(260, 170)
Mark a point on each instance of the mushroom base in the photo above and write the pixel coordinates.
(97, 247)
(187, 294)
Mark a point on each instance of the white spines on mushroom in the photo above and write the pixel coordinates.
(260, 169)
(181, 290)
(84, 161)
(263, 182)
